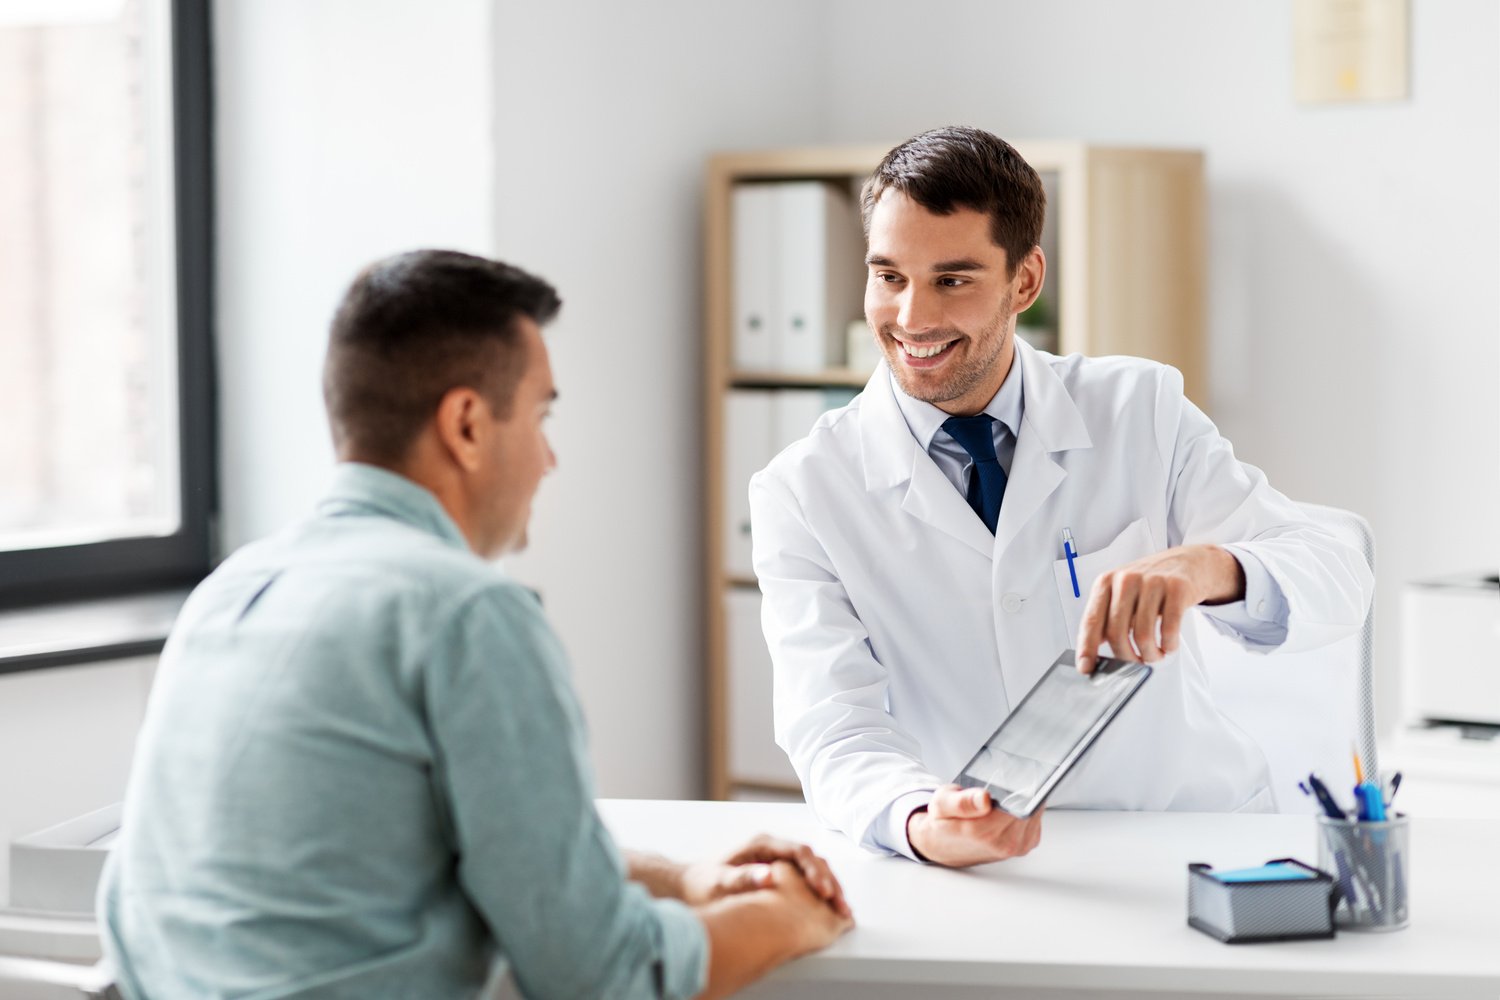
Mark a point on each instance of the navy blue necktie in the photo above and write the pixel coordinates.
(987, 480)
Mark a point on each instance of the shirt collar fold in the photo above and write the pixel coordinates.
(359, 488)
(925, 419)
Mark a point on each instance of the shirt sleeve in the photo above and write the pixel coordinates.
(890, 831)
(533, 855)
(1259, 619)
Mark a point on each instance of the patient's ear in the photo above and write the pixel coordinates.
(460, 426)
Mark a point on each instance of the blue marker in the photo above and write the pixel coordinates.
(1072, 554)
(1371, 807)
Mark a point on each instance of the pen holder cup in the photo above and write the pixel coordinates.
(1369, 863)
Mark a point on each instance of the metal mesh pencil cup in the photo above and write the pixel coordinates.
(1369, 862)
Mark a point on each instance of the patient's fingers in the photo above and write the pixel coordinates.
(815, 870)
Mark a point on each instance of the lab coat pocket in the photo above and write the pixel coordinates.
(1129, 545)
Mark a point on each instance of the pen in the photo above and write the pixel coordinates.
(1395, 784)
(1072, 554)
(1325, 798)
(1332, 810)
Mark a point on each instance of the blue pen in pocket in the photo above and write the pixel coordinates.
(1071, 553)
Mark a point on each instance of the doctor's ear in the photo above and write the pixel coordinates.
(460, 425)
(1026, 284)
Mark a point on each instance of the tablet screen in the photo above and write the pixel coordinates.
(1047, 733)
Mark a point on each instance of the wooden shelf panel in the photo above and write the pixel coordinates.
(833, 378)
(754, 790)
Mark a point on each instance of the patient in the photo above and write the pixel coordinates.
(362, 771)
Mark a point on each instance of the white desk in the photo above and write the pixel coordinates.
(1100, 906)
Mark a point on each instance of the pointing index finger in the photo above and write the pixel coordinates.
(1091, 626)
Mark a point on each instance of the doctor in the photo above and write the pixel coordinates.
(910, 549)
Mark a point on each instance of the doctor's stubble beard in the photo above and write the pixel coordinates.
(969, 372)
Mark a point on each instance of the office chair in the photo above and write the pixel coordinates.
(42, 979)
(1306, 710)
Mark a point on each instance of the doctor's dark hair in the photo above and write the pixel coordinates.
(959, 167)
(413, 326)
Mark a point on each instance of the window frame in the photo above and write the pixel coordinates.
(117, 567)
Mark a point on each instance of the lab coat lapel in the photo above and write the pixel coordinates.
(932, 498)
(892, 457)
(1050, 422)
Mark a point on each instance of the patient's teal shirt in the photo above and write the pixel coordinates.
(362, 774)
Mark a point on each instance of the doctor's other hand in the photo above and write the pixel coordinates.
(750, 868)
(962, 827)
(1138, 608)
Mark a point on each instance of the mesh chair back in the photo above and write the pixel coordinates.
(1306, 710)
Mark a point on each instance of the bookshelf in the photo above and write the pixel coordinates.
(1126, 251)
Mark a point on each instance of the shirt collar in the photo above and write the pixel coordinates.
(925, 419)
(360, 488)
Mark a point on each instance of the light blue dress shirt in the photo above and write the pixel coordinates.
(362, 774)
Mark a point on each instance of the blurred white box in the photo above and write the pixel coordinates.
(1450, 657)
(56, 870)
(754, 756)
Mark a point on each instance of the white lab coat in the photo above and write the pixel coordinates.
(902, 632)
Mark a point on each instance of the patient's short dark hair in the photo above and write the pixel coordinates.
(414, 326)
(961, 167)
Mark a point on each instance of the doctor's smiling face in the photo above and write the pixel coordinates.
(952, 221)
(942, 303)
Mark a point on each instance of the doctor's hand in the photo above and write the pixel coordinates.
(962, 827)
(751, 868)
(1138, 608)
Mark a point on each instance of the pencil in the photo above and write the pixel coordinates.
(1359, 770)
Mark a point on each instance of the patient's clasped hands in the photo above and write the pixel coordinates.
(755, 866)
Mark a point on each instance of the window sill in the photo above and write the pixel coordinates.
(61, 635)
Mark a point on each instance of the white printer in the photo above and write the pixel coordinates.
(1448, 747)
(1450, 652)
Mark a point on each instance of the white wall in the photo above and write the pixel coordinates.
(346, 130)
(604, 115)
(1354, 260)
(350, 129)
(1346, 243)
(1354, 309)
(1353, 270)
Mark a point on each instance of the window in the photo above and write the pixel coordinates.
(106, 388)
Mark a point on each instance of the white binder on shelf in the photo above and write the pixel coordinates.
(748, 447)
(753, 295)
(753, 754)
(819, 275)
(758, 424)
(794, 411)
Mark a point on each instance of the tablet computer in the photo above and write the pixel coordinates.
(1049, 732)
